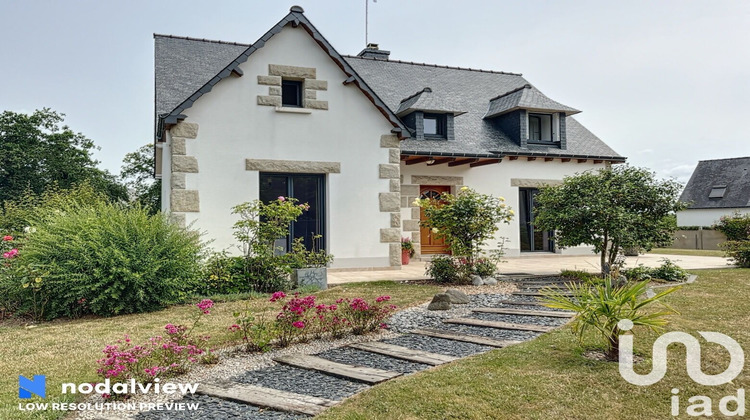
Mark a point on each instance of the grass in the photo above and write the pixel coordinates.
(696, 252)
(549, 377)
(67, 351)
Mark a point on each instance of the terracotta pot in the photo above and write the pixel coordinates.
(404, 257)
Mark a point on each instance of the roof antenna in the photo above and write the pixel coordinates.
(367, 14)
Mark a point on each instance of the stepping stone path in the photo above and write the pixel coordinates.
(299, 386)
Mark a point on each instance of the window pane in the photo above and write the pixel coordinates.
(540, 127)
(431, 126)
(290, 93)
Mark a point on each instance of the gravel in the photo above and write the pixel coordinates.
(519, 319)
(365, 358)
(301, 381)
(438, 345)
(492, 332)
(217, 409)
(419, 317)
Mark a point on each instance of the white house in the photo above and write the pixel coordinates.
(719, 187)
(356, 137)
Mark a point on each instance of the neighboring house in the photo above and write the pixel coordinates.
(717, 188)
(358, 138)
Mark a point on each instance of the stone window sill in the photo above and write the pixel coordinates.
(293, 110)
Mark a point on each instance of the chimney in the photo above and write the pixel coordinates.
(372, 51)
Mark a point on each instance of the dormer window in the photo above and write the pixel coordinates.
(435, 125)
(540, 128)
(717, 191)
(291, 93)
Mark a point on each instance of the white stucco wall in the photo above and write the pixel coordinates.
(706, 217)
(233, 127)
(496, 180)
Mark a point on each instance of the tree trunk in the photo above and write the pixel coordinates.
(603, 256)
(613, 353)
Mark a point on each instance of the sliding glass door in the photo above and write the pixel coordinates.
(307, 188)
(532, 239)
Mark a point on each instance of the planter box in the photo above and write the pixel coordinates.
(316, 276)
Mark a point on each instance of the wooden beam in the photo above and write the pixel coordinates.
(462, 162)
(466, 338)
(419, 159)
(598, 161)
(513, 157)
(530, 158)
(267, 398)
(582, 160)
(441, 161)
(367, 375)
(484, 162)
(499, 325)
(519, 303)
(548, 159)
(525, 312)
(405, 157)
(565, 160)
(404, 353)
(541, 293)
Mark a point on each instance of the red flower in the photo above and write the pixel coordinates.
(7, 238)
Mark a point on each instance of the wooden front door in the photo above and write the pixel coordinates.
(430, 242)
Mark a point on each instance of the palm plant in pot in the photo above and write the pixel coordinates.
(309, 267)
(407, 250)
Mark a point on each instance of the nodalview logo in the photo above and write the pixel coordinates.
(700, 405)
(37, 386)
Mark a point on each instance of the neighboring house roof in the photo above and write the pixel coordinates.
(525, 97)
(295, 18)
(425, 101)
(720, 183)
(187, 68)
(470, 91)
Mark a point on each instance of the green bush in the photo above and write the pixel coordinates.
(579, 275)
(223, 274)
(444, 270)
(485, 267)
(735, 227)
(669, 271)
(107, 260)
(639, 273)
(739, 251)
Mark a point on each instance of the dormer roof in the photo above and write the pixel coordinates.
(525, 97)
(425, 100)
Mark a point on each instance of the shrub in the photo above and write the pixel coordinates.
(115, 260)
(736, 227)
(255, 331)
(579, 275)
(485, 267)
(366, 317)
(739, 251)
(444, 269)
(602, 306)
(669, 271)
(639, 273)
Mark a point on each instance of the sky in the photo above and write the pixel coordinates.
(665, 83)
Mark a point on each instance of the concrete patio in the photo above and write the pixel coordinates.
(534, 264)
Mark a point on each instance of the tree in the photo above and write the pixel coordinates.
(610, 209)
(137, 175)
(37, 153)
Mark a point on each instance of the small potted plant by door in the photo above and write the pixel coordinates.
(407, 251)
(309, 267)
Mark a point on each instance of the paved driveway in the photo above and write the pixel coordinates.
(532, 264)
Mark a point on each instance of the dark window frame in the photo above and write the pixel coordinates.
(441, 126)
(287, 84)
(538, 116)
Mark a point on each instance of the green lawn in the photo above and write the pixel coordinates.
(698, 252)
(66, 351)
(548, 378)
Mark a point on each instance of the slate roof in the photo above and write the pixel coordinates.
(526, 97)
(733, 173)
(183, 65)
(186, 68)
(470, 91)
(424, 100)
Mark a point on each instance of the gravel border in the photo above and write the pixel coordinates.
(438, 345)
(301, 381)
(218, 409)
(357, 357)
(521, 319)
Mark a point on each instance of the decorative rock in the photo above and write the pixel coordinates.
(476, 280)
(490, 281)
(441, 302)
(457, 296)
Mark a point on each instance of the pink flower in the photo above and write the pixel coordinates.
(298, 324)
(171, 329)
(278, 295)
(383, 299)
(281, 198)
(234, 328)
(205, 305)
(7, 238)
(10, 254)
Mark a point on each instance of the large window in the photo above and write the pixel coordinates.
(532, 239)
(434, 125)
(291, 93)
(307, 188)
(540, 128)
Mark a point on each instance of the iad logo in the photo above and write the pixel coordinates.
(693, 362)
(700, 405)
(26, 386)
